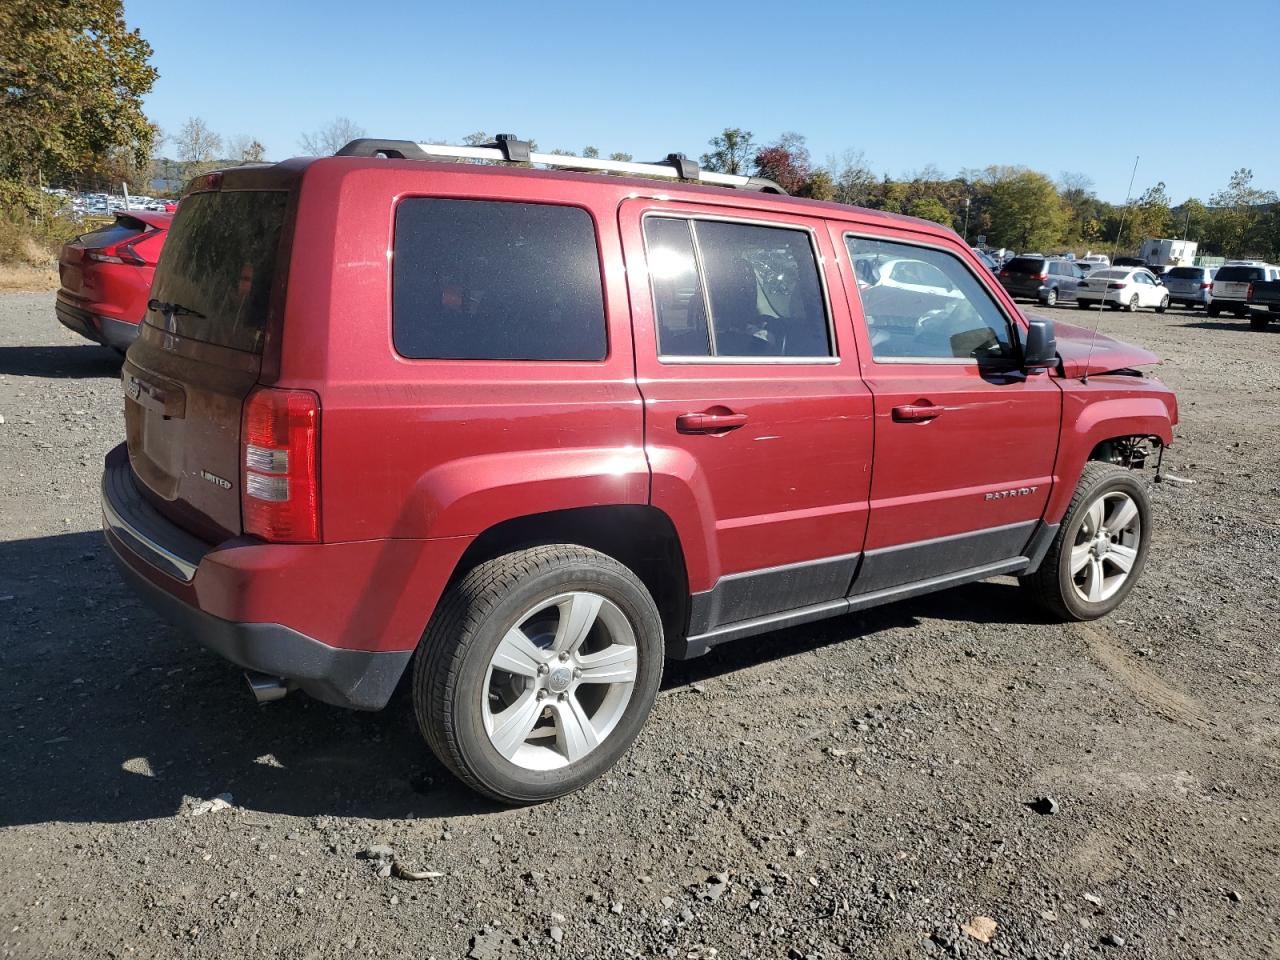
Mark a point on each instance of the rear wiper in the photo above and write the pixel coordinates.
(173, 309)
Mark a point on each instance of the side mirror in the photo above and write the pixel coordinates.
(1041, 347)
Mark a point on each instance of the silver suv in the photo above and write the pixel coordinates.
(1190, 286)
(1232, 282)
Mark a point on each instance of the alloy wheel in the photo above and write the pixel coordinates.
(560, 680)
(1106, 547)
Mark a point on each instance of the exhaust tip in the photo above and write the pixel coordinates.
(266, 688)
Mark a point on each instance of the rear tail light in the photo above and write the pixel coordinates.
(280, 446)
(1248, 294)
(1039, 276)
(1115, 286)
(1004, 273)
(1206, 286)
(123, 254)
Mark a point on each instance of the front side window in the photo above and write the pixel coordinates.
(488, 280)
(947, 315)
(735, 290)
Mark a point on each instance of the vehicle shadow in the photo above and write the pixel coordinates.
(79, 361)
(1234, 326)
(111, 716)
(985, 602)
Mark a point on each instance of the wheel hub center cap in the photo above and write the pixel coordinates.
(559, 679)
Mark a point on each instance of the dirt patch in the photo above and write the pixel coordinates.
(24, 277)
(864, 787)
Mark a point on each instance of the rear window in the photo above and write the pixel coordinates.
(1025, 265)
(488, 280)
(219, 261)
(1109, 274)
(1241, 274)
(124, 228)
(1185, 273)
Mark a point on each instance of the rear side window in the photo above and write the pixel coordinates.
(740, 290)
(488, 280)
(1240, 274)
(215, 275)
(1025, 265)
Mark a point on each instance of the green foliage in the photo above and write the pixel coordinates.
(72, 78)
(733, 151)
(1024, 209)
(819, 186)
(930, 208)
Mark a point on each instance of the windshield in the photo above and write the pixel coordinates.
(218, 265)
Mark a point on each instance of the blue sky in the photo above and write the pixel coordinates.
(1056, 87)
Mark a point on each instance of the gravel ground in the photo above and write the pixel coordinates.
(856, 787)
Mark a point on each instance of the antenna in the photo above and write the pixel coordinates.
(1115, 249)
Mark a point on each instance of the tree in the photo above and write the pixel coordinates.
(732, 151)
(819, 186)
(246, 149)
(72, 78)
(1150, 216)
(197, 146)
(785, 162)
(1024, 209)
(1241, 216)
(331, 138)
(930, 208)
(852, 178)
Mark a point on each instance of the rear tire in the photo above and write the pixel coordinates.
(480, 669)
(1084, 304)
(1111, 494)
(1164, 305)
(1132, 305)
(1051, 298)
(1259, 321)
(1213, 310)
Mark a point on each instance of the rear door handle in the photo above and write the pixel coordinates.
(916, 412)
(709, 422)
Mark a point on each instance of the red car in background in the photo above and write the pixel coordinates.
(106, 277)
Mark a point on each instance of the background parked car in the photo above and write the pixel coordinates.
(1231, 286)
(1045, 279)
(1190, 286)
(106, 277)
(1129, 262)
(1127, 287)
(987, 259)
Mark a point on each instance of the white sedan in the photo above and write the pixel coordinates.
(1129, 287)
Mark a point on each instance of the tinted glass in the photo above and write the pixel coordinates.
(125, 228)
(482, 280)
(761, 284)
(1185, 273)
(219, 263)
(1025, 265)
(954, 319)
(1240, 274)
(677, 290)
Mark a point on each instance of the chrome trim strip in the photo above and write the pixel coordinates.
(165, 560)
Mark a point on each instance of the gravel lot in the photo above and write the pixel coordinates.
(856, 787)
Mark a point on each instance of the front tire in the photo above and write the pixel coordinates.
(537, 671)
(1100, 549)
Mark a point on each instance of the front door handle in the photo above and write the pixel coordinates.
(916, 412)
(709, 422)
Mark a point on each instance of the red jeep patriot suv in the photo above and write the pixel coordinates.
(525, 432)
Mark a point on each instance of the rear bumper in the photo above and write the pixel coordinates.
(171, 571)
(108, 331)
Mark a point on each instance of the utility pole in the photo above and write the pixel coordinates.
(966, 219)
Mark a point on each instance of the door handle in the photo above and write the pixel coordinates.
(916, 412)
(709, 422)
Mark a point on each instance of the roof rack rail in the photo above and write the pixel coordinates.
(509, 148)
